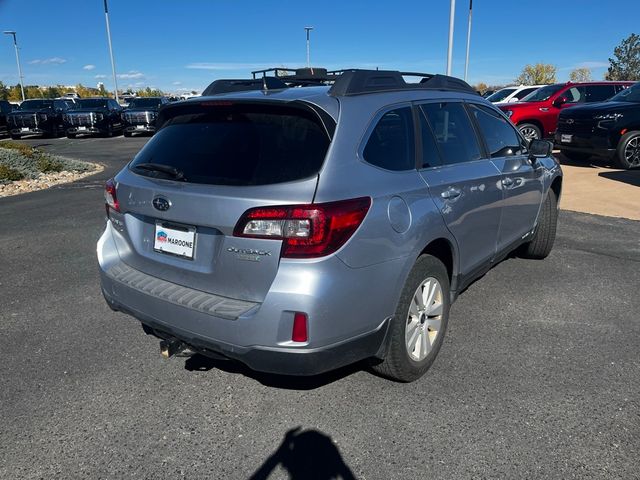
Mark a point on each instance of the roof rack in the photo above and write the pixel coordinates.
(357, 82)
(300, 77)
(242, 84)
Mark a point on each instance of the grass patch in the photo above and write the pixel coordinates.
(19, 161)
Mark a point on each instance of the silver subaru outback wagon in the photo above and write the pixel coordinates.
(302, 229)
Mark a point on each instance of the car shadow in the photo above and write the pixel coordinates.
(306, 454)
(201, 363)
(630, 177)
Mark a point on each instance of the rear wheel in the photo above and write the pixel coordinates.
(530, 131)
(15, 137)
(71, 135)
(420, 321)
(576, 156)
(628, 151)
(542, 243)
(126, 134)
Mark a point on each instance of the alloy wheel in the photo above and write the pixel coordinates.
(529, 133)
(424, 319)
(632, 152)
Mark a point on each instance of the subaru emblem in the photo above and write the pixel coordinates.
(161, 203)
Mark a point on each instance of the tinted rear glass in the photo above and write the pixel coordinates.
(238, 145)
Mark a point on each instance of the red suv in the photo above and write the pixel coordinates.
(536, 115)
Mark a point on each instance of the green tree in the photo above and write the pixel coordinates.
(580, 75)
(150, 92)
(626, 62)
(4, 91)
(538, 74)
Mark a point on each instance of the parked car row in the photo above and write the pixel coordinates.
(80, 116)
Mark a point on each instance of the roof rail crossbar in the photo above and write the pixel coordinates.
(229, 85)
(356, 82)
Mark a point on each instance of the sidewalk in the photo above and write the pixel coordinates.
(599, 189)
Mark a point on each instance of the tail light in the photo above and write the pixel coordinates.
(307, 231)
(110, 197)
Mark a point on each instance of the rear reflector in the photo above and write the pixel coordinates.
(306, 231)
(299, 333)
(110, 197)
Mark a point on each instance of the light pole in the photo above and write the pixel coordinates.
(308, 29)
(466, 62)
(452, 14)
(113, 63)
(15, 44)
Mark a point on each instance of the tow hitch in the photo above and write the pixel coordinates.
(169, 348)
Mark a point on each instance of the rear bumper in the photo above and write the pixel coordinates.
(278, 360)
(89, 129)
(29, 131)
(345, 325)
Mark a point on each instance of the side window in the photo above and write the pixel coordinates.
(599, 93)
(5, 107)
(391, 144)
(59, 105)
(574, 94)
(523, 93)
(453, 131)
(500, 137)
(113, 104)
(430, 153)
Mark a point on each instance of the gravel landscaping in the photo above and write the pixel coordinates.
(25, 169)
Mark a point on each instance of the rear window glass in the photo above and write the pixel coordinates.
(238, 145)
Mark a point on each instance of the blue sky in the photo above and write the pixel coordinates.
(184, 45)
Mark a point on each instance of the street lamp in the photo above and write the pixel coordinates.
(308, 29)
(113, 63)
(452, 14)
(466, 63)
(15, 44)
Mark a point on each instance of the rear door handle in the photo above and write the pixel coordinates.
(450, 193)
(507, 182)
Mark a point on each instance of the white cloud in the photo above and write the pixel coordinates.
(46, 61)
(101, 76)
(177, 83)
(131, 74)
(89, 67)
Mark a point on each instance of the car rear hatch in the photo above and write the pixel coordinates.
(180, 198)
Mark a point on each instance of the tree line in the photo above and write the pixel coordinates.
(13, 93)
(624, 65)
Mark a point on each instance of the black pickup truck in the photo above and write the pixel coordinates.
(140, 115)
(94, 116)
(610, 130)
(42, 117)
(5, 109)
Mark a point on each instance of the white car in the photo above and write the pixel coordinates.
(512, 94)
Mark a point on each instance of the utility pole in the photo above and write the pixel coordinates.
(113, 63)
(466, 63)
(15, 44)
(452, 14)
(308, 30)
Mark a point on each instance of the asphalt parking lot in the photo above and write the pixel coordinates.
(539, 375)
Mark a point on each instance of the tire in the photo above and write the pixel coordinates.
(71, 135)
(400, 363)
(628, 151)
(530, 131)
(15, 137)
(542, 242)
(576, 156)
(126, 134)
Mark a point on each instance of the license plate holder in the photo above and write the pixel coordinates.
(179, 240)
(564, 138)
(25, 129)
(139, 127)
(82, 129)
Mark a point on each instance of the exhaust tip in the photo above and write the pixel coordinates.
(169, 348)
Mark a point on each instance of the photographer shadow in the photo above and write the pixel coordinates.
(307, 454)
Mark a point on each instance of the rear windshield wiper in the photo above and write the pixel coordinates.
(158, 167)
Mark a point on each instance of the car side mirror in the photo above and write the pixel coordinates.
(558, 102)
(540, 149)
